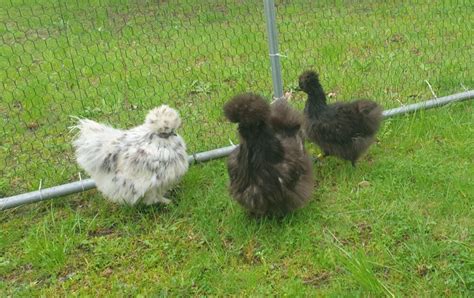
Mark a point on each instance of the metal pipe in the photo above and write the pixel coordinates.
(46, 194)
(270, 15)
(429, 104)
(210, 155)
(87, 184)
(83, 185)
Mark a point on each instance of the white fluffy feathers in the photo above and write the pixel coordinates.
(136, 165)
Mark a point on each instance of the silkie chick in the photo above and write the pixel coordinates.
(344, 130)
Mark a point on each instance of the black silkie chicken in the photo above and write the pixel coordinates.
(270, 172)
(344, 130)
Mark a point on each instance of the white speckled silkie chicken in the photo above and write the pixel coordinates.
(136, 165)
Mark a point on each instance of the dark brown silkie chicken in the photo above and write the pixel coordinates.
(270, 172)
(344, 130)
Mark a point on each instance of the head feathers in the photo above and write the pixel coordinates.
(163, 119)
(247, 109)
(309, 80)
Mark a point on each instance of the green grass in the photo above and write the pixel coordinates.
(405, 231)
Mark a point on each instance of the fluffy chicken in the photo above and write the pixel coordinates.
(136, 165)
(344, 130)
(270, 172)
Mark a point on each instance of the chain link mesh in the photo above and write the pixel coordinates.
(111, 61)
(392, 51)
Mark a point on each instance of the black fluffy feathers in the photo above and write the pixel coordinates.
(345, 130)
(270, 172)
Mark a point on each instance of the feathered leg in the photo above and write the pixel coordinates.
(164, 200)
(154, 196)
(160, 197)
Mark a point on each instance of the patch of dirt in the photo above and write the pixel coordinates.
(347, 241)
(422, 270)
(3, 110)
(84, 247)
(439, 140)
(404, 238)
(18, 273)
(107, 272)
(364, 228)
(65, 274)
(416, 51)
(101, 232)
(230, 81)
(318, 279)
(32, 126)
(249, 253)
(16, 182)
(397, 38)
(228, 242)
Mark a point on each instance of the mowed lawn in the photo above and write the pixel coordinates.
(399, 224)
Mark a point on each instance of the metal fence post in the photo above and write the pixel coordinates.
(270, 16)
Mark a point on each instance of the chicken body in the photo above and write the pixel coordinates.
(131, 166)
(270, 172)
(344, 130)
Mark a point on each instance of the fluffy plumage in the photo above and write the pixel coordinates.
(270, 172)
(136, 165)
(345, 130)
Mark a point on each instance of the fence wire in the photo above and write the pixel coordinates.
(113, 60)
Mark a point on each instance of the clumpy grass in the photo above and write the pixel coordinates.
(399, 224)
(361, 270)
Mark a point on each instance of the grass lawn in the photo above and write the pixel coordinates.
(399, 224)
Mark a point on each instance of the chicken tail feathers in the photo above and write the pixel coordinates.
(371, 113)
(86, 126)
(370, 109)
(284, 118)
(91, 143)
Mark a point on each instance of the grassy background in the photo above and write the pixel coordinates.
(406, 229)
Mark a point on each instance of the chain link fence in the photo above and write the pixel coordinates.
(112, 60)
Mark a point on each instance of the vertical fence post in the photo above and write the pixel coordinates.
(270, 16)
